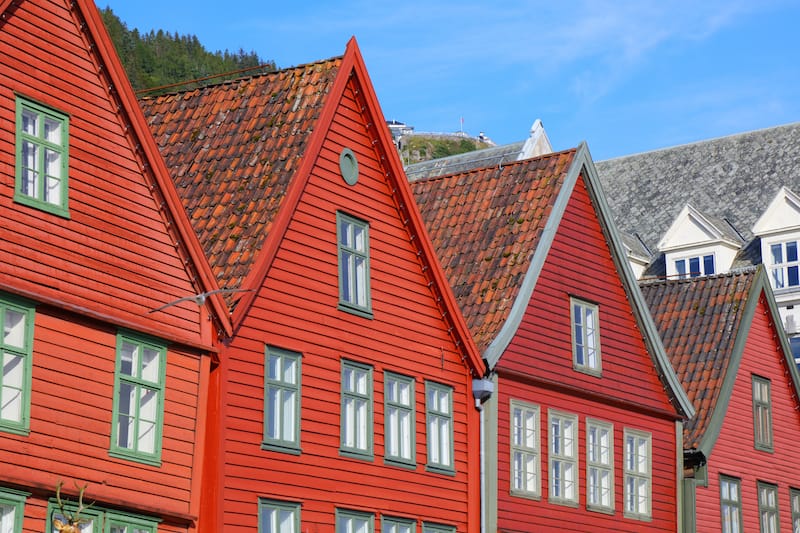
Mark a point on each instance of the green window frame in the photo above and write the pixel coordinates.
(12, 510)
(762, 414)
(437, 528)
(138, 412)
(42, 158)
(525, 458)
(599, 465)
(278, 517)
(282, 394)
(354, 522)
(794, 499)
(585, 320)
(390, 524)
(563, 457)
(16, 360)
(439, 422)
(399, 419)
(730, 496)
(768, 513)
(99, 520)
(357, 411)
(352, 236)
(638, 485)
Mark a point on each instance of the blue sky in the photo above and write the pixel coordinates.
(626, 76)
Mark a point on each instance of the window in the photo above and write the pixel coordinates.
(353, 522)
(397, 525)
(585, 337)
(784, 267)
(730, 504)
(599, 465)
(525, 480)
(278, 517)
(563, 458)
(762, 414)
(768, 507)
(138, 399)
(399, 418)
(439, 415)
(15, 372)
(282, 400)
(692, 267)
(794, 496)
(437, 528)
(96, 520)
(638, 474)
(356, 409)
(12, 504)
(41, 175)
(353, 237)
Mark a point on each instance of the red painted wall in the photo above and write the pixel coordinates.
(296, 309)
(734, 453)
(629, 394)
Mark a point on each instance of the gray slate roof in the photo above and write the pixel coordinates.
(732, 178)
(456, 164)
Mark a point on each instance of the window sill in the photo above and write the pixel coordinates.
(273, 447)
(435, 469)
(363, 312)
(130, 456)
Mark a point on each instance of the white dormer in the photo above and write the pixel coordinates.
(779, 230)
(698, 244)
(537, 142)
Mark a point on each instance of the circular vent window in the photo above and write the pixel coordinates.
(348, 165)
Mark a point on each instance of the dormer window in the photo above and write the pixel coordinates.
(692, 267)
(784, 265)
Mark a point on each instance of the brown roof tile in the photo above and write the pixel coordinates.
(485, 225)
(232, 149)
(698, 320)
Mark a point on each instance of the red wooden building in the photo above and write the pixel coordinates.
(95, 390)
(725, 339)
(582, 433)
(343, 399)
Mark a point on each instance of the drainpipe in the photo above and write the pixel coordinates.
(482, 390)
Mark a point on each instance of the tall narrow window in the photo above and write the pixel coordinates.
(525, 457)
(354, 522)
(12, 504)
(638, 474)
(397, 525)
(599, 465)
(399, 418)
(138, 399)
(794, 496)
(585, 337)
(356, 409)
(785, 267)
(730, 495)
(16, 348)
(563, 457)
(439, 416)
(354, 291)
(762, 414)
(278, 517)
(282, 400)
(768, 508)
(41, 175)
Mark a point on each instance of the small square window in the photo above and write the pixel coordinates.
(585, 337)
(784, 266)
(282, 400)
(399, 419)
(16, 353)
(354, 282)
(42, 157)
(525, 456)
(439, 416)
(278, 517)
(356, 430)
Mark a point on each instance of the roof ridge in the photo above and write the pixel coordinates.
(744, 270)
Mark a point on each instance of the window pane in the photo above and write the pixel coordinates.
(694, 266)
(792, 275)
(150, 364)
(680, 268)
(791, 251)
(129, 359)
(14, 329)
(30, 122)
(52, 131)
(777, 253)
(708, 265)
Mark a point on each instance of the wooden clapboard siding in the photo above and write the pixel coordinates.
(734, 453)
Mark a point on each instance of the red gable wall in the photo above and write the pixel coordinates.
(537, 367)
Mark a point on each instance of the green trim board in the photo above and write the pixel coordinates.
(16, 358)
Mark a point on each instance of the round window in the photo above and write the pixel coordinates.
(348, 165)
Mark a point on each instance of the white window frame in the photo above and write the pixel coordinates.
(599, 465)
(779, 271)
(585, 325)
(768, 512)
(638, 471)
(352, 237)
(730, 496)
(357, 410)
(399, 419)
(276, 516)
(762, 414)
(525, 442)
(563, 457)
(686, 270)
(439, 422)
(282, 395)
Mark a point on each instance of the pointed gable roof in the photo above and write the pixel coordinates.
(233, 149)
(782, 214)
(704, 323)
(692, 227)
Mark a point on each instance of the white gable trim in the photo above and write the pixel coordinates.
(690, 229)
(781, 216)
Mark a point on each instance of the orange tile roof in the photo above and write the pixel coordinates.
(698, 320)
(232, 150)
(485, 225)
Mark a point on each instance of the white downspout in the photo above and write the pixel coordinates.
(482, 390)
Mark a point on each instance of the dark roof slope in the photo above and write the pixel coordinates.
(732, 178)
(233, 193)
(486, 225)
(698, 320)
